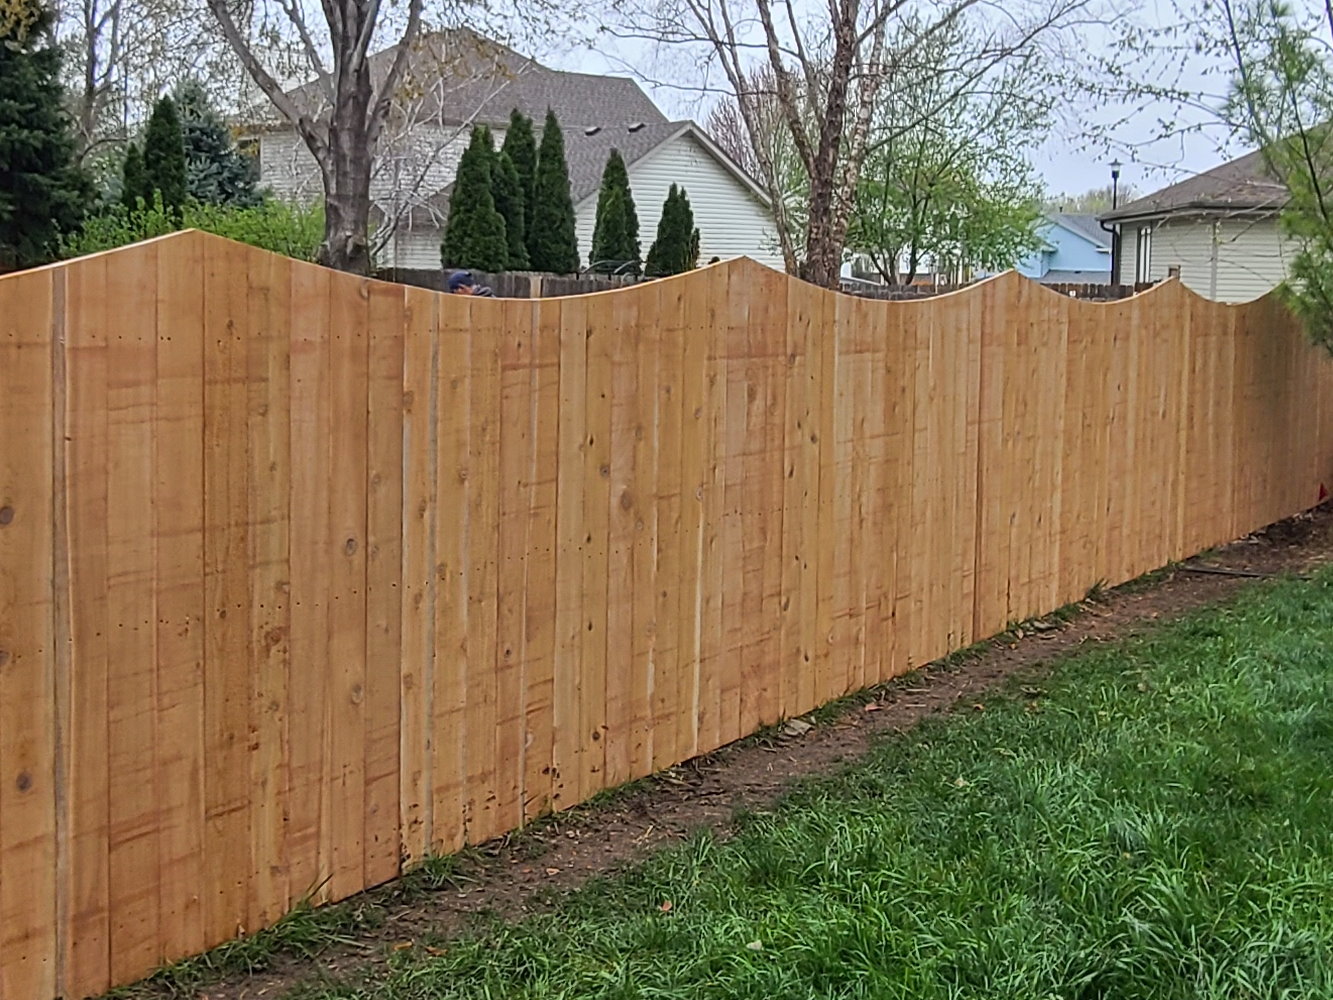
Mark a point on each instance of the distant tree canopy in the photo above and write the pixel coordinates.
(1094, 201)
(521, 147)
(216, 172)
(676, 249)
(552, 242)
(164, 168)
(43, 194)
(507, 191)
(474, 236)
(615, 235)
(134, 186)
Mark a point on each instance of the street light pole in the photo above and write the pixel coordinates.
(1115, 231)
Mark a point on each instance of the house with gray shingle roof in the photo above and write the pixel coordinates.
(1220, 228)
(458, 79)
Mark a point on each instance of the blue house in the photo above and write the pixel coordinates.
(1074, 249)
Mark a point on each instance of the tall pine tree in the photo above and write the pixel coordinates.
(507, 190)
(134, 187)
(521, 148)
(552, 244)
(164, 155)
(42, 192)
(676, 248)
(615, 235)
(216, 172)
(474, 237)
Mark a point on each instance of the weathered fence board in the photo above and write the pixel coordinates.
(304, 577)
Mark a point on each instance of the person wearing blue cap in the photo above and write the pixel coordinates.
(462, 283)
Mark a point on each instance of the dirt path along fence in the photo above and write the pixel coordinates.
(303, 576)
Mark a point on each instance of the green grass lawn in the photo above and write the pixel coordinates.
(1157, 824)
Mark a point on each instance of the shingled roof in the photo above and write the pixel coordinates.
(455, 77)
(1083, 225)
(1243, 184)
(459, 77)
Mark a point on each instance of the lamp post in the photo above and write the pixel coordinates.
(1115, 230)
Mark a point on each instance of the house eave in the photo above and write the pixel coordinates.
(1194, 210)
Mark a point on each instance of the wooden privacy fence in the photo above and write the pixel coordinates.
(303, 576)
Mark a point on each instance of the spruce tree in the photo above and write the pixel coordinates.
(474, 237)
(676, 244)
(133, 181)
(507, 190)
(552, 244)
(521, 148)
(615, 235)
(164, 155)
(216, 172)
(42, 192)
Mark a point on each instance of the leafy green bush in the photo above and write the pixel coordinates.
(292, 230)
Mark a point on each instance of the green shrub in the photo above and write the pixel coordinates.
(291, 230)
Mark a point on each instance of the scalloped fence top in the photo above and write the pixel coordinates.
(306, 576)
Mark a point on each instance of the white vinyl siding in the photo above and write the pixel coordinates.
(413, 248)
(410, 170)
(417, 164)
(286, 167)
(1229, 260)
(731, 220)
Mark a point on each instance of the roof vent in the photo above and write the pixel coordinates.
(634, 127)
(592, 130)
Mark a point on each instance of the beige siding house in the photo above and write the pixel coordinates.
(457, 80)
(1220, 229)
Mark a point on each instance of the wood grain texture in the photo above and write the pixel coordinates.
(419, 579)
(305, 577)
(86, 948)
(382, 845)
(178, 510)
(28, 776)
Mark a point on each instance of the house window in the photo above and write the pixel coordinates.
(1143, 256)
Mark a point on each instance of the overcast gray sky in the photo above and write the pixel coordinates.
(1067, 162)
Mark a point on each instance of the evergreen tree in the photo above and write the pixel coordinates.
(615, 235)
(133, 181)
(552, 244)
(507, 189)
(521, 148)
(474, 237)
(216, 172)
(676, 248)
(164, 155)
(42, 193)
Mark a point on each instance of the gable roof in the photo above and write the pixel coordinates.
(1085, 226)
(1243, 184)
(586, 151)
(457, 77)
(587, 154)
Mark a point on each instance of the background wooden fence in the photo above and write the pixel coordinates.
(304, 576)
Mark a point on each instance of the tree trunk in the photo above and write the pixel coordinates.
(827, 231)
(346, 224)
(346, 245)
